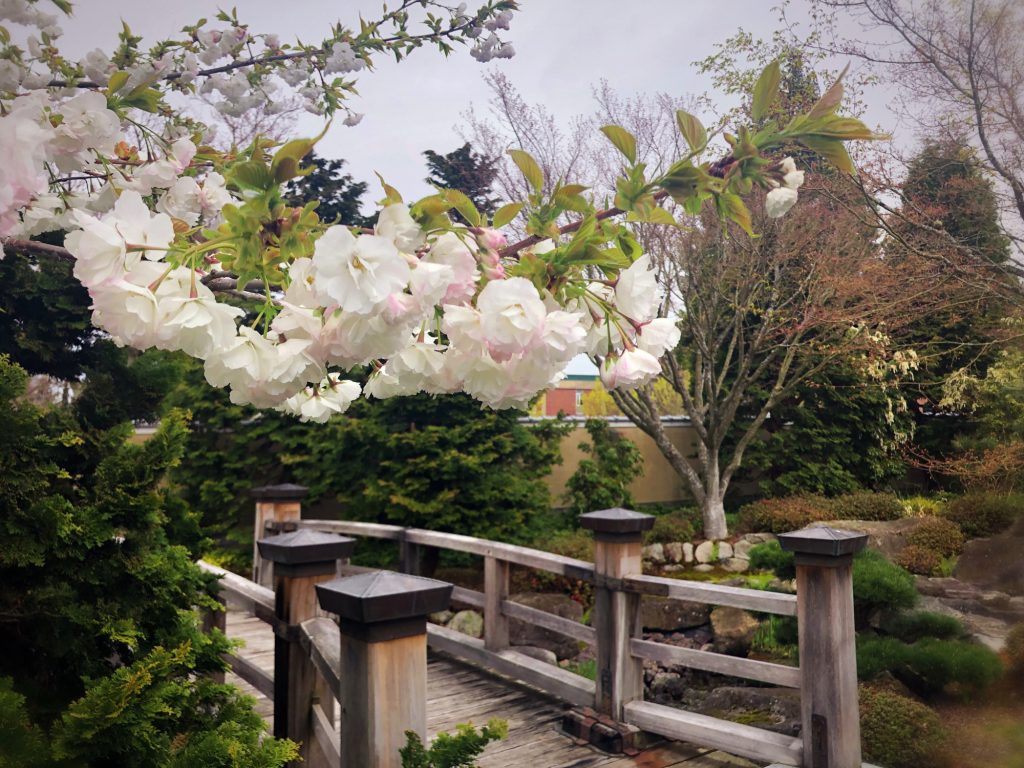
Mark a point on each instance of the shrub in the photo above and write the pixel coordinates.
(668, 528)
(985, 514)
(930, 666)
(939, 535)
(578, 544)
(923, 506)
(918, 559)
(898, 732)
(771, 557)
(458, 750)
(602, 481)
(867, 505)
(785, 514)
(1015, 650)
(911, 626)
(880, 585)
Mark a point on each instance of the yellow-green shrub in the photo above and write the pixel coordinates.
(898, 732)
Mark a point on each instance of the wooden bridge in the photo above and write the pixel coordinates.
(337, 654)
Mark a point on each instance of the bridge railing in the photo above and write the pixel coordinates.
(823, 605)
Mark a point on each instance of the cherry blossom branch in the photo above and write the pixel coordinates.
(35, 248)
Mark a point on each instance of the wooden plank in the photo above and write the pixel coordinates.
(322, 640)
(248, 595)
(495, 597)
(766, 672)
(563, 626)
(715, 594)
(532, 558)
(353, 528)
(253, 674)
(471, 597)
(736, 738)
(328, 739)
(556, 681)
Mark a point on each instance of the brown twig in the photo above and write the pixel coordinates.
(35, 248)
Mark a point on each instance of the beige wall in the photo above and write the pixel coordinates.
(658, 483)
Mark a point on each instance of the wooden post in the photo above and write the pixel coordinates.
(617, 541)
(383, 622)
(212, 620)
(274, 504)
(302, 559)
(495, 593)
(828, 658)
(410, 557)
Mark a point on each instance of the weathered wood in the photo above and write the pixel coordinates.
(616, 618)
(472, 597)
(553, 680)
(240, 592)
(738, 739)
(532, 558)
(353, 528)
(715, 594)
(766, 672)
(495, 595)
(546, 620)
(828, 664)
(270, 511)
(327, 740)
(259, 679)
(320, 639)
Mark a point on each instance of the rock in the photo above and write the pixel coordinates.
(704, 552)
(887, 536)
(468, 623)
(735, 564)
(674, 552)
(775, 709)
(666, 686)
(703, 568)
(654, 553)
(541, 654)
(441, 617)
(687, 552)
(742, 549)
(663, 614)
(734, 629)
(673, 568)
(724, 550)
(994, 563)
(525, 633)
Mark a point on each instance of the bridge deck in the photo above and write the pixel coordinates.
(458, 693)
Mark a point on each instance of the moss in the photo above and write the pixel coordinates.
(898, 732)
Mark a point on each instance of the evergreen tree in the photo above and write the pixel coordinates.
(340, 195)
(468, 172)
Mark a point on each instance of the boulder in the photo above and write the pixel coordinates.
(724, 550)
(541, 654)
(887, 536)
(666, 687)
(735, 564)
(655, 553)
(675, 568)
(703, 568)
(525, 633)
(734, 629)
(687, 552)
(441, 617)
(660, 614)
(994, 563)
(674, 552)
(468, 623)
(705, 552)
(742, 548)
(775, 709)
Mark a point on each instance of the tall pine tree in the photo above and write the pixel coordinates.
(467, 171)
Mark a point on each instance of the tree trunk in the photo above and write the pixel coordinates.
(712, 506)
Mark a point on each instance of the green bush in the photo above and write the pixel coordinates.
(451, 751)
(911, 626)
(879, 585)
(578, 544)
(771, 557)
(867, 505)
(938, 534)
(668, 528)
(985, 514)
(930, 666)
(602, 481)
(920, 560)
(785, 514)
(1015, 650)
(923, 506)
(898, 732)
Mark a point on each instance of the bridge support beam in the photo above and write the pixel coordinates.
(276, 505)
(383, 622)
(301, 560)
(828, 658)
(618, 536)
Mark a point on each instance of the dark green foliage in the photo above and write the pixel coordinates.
(879, 585)
(578, 544)
(466, 171)
(602, 481)
(675, 526)
(452, 751)
(771, 557)
(786, 514)
(984, 514)
(898, 732)
(939, 535)
(867, 505)
(930, 666)
(338, 194)
(98, 579)
(911, 626)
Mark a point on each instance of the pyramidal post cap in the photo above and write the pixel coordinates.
(823, 542)
(383, 596)
(305, 546)
(617, 521)
(281, 492)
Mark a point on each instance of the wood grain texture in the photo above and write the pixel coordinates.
(495, 595)
(715, 594)
(559, 624)
(352, 528)
(616, 619)
(766, 672)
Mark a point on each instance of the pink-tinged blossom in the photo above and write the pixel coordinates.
(23, 150)
(629, 369)
(397, 226)
(658, 336)
(357, 273)
(318, 404)
(511, 315)
(637, 293)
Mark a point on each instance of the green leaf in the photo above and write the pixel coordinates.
(831, 149)
(766, 90)
(534, 175)
(287, 160)
(845, 128)
(831, 99)
(694, 133)
(623, 140)
(653, 215)
(463, 205)
(391, 195)
(505, 214)
(146, 99)
(252, 175)
(732, 207)
(117, 81)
